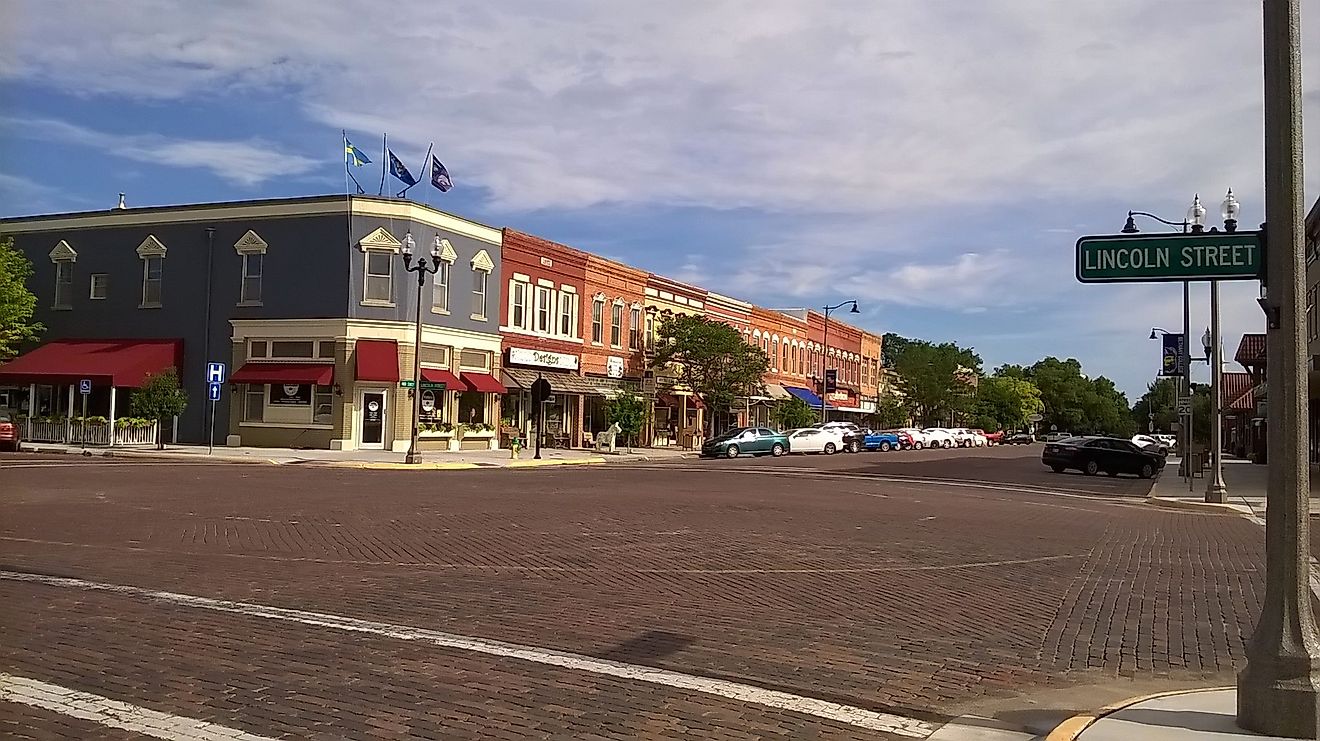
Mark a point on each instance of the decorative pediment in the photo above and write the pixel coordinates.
(249, 244)
(380, 239)
(635, 305)
(481, 261)
(62, 252)
(447, 253)
(600, 296)
(151, 247)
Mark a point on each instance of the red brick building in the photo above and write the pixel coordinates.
(613, 336)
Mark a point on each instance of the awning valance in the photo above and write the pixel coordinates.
(560, 382)
(321, 374)
(483, 382)
(438, 375)
(777, 392)
(376, 360)
(122, 363)
(806, 395)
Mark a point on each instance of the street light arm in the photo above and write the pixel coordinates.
(1182, 224)
(839, 305)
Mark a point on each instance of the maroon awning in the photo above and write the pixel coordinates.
(436, 375)
(376, 360)
(483, 382)
(122, 363)
(320, 374)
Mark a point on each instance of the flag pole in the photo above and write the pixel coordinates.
(384, 162)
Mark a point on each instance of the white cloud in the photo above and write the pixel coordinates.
(856, 107)
(249, 162)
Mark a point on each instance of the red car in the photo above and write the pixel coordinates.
(993, 438)
(9, 435)
(904, 439)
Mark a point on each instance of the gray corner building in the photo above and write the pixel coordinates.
(305, 300)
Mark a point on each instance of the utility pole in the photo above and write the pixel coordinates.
(1278, 692)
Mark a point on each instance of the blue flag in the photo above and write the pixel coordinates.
(400, 171)
(354, 156)
(440, 176)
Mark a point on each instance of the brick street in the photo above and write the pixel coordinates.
(847, 579)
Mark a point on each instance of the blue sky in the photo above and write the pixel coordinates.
(934, 160)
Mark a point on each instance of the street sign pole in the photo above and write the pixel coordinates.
(83, 431)
(1186, 361)
(1278, 692)
(210, 437)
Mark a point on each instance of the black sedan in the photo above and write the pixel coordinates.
(1091, 455)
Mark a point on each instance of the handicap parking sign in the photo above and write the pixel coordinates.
(85, 386)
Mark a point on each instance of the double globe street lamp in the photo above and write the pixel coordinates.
(1194, 223)
(422, 269)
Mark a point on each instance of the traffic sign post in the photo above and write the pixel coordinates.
(85, 388)
(215, 377)
(1160, 258)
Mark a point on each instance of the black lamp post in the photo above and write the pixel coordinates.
(422, 269)
(825, 351)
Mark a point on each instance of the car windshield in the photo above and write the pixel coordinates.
(730, 434)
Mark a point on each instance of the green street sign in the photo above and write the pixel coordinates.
(426, 385)
(1138, 258)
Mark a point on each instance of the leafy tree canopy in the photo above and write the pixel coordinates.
(16, 302)
(1079, 404)
(1005, 403)
(630, 412)
(160, 398)
(711, 358)
(792, 413)
(936, 379)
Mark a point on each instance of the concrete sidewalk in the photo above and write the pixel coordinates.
(1197, 715)
(1245, 481)
(376, 459)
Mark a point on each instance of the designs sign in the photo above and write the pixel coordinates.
(543, 359)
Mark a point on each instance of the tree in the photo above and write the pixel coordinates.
(890, 412)
(160, 398)
(936, 379)
(1079, 404)
(711, 359)
(892, 346)
(17, 303)
(792, 413)
(630, 412)
(1005, 403)
(1157, 406)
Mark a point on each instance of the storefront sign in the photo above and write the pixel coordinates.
(614, 367)
(837, 396)
(291, 394)
(542, 358)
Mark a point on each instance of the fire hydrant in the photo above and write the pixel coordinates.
(515, 445)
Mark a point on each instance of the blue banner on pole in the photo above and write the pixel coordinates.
(1172, 355)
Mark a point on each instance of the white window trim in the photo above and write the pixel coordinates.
(526, 305)
(250, 244)
(548, 329)
(379, 240)
(598, 300)
(616, 304)
(63, 264)
(481, 263)
(105, 286)
(443, 267)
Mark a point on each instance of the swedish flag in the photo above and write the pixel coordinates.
(354, 156)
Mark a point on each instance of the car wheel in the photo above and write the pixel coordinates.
(854, 447)
(948, 443)
(777, 450)
(1092, 468)
(731, 451)
(885, 447)
(830, 449)
(1057, 469)
(918, 445)
(1147, 470)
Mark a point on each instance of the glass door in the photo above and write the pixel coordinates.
(371, 433)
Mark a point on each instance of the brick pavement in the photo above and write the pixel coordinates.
(893, 597)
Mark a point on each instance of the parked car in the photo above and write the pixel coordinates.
(1092, 455)
(919, 437)
(992, 438)
(10, 436)
(852, 434)
(815, 440)
(905, 439)
(939, 437)
(1019, 438)
(1054, 437)
(752, 440)
(1151, 442)
(881, 441)
(969, 438)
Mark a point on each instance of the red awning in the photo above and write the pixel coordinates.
(436, 375)
(122, 363)
(695, 402)
(377, 360)
(320, 374)
(483, 382)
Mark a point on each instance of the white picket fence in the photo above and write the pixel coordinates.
(85, 434)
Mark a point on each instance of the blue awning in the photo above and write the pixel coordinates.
(806, 395)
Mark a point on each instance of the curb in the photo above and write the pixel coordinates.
(1073, 727)
(1207, 507)
(391, 466)
(533, 463)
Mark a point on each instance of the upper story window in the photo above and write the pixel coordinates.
(518, 297)
(291, 349)
(251, 250)
(482, 266)
(568, 312)
(616, 324)
(544, 299)
(635, 328)
(379, 249)
(598, 318)
(440, 281)
(152, 253)
(100, 286)
(63, 257)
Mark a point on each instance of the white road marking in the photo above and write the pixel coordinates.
(613, 569)
(851, 715)
(115, 714)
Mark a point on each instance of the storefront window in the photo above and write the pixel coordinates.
(472, 408)
(254, 402)
(291, 404)
(433, 406)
